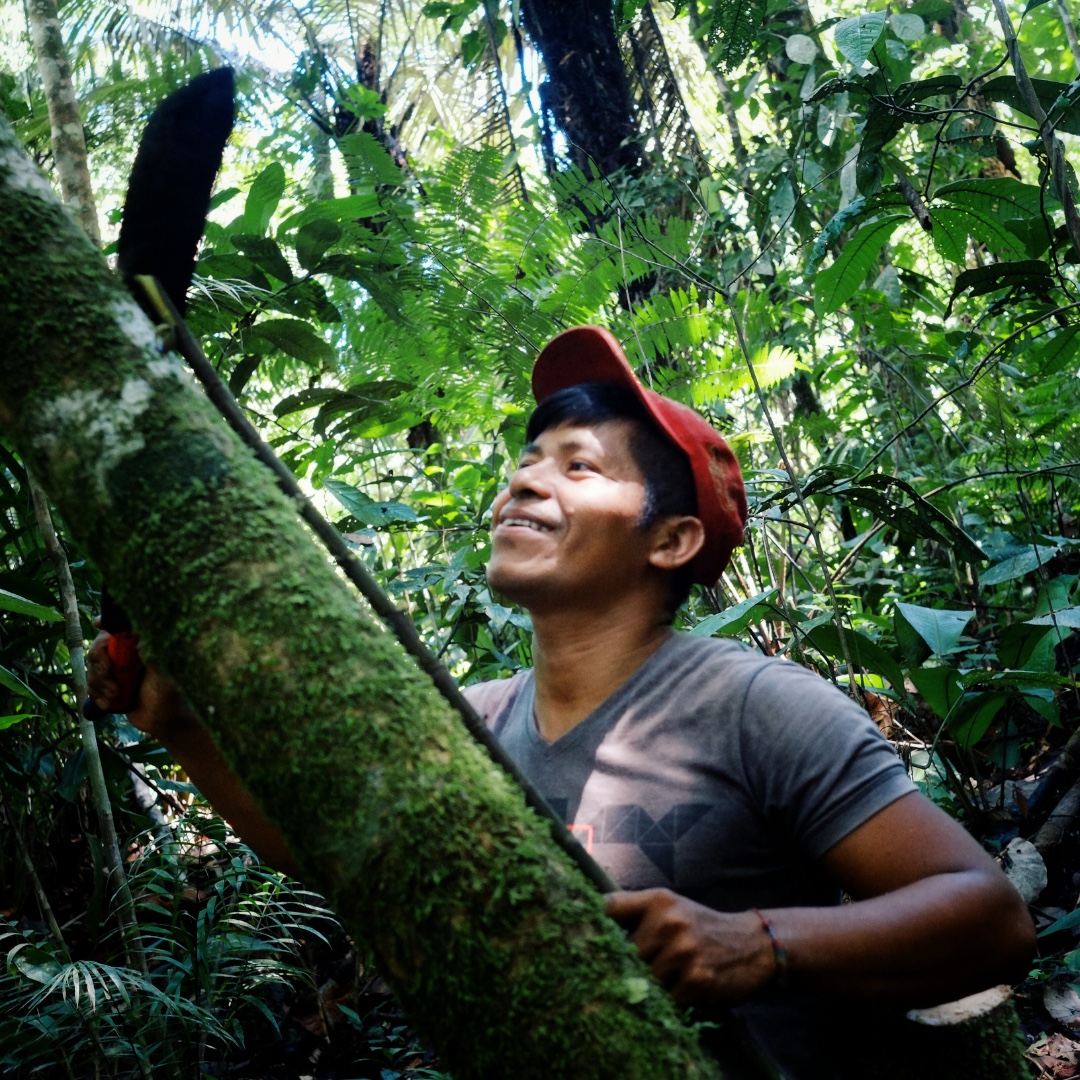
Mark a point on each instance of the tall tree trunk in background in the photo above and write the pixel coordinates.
(586, 89)
(494, 943)
(68, 139)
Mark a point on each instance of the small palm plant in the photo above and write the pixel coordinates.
(223, 937)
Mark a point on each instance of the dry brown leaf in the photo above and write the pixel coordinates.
(1024, 867)
(1062, 1002)
(882, 711)
(1057, 1057)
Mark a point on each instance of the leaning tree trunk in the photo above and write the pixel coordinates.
(495, 944)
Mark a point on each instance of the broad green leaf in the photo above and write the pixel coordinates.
(263, 197)
(835, 86)
(836, 284)
(34, 963)
(1017, 565)
(1030, 275)
(364, 508)
(15, 684)
(859, 207)
(856, 37)
(11, 721)
(999, 197)
(349, 208)
(1025, 682)
(933, 10)
(883, 124)
(912, 92)
(733, 620)
(1069, 616)
(801, 49)
(231, 267)
(953, 226)
(913, 649)
(940, 628)
(366, 398)
(220, 198)
(296, 339)
(831, 233)
(306, 399)
(1065, 117)
(75, 772)
(950, 235)
(1066, 922)
(1015, 207)
(922, 518)
(865, 653)
(941, 688)
(314, 239)
(970, 722)
(733, 28)
(10, 602)
(1050, 353)
(266, 255)
(907, 27)
(1018, 646)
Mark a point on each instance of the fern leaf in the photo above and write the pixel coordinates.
(733, 29)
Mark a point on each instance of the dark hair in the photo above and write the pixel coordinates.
(669, 483)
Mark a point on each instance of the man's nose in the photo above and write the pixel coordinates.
(533, 479)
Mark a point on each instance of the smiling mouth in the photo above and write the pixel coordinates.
(526, 523)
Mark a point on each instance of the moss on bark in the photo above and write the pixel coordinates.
(495, 944)
(984, 1047)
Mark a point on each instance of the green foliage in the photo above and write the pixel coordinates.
(889, 241)
(223, 937)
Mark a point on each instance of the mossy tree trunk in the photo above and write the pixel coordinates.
(496, 946)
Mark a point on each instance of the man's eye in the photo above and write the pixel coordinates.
(580, 466)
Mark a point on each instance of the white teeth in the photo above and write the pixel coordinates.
(525, 523)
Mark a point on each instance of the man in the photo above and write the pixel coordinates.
(733, 796)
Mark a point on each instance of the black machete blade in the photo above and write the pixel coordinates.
(171, 182)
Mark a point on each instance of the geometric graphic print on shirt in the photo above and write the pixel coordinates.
(632, 825)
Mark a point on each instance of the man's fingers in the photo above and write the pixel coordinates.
(629, 908)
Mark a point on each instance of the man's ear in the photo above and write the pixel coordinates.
(676, 540)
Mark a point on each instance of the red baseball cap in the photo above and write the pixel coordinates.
(586, 354)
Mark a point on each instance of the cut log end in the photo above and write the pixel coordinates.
(961, 1012)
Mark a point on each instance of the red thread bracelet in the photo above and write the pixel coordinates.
(779, 952)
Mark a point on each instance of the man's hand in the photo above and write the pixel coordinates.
(702, 957)
(163, 713)
(160, 709)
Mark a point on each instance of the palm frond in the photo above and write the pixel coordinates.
(661, 112)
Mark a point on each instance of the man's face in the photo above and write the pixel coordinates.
(565, 531)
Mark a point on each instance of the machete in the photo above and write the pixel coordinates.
(164, 216)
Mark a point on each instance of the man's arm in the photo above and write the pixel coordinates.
(163, 713)
(932, 919)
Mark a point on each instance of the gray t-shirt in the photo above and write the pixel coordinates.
(712, 770)
(718, 773)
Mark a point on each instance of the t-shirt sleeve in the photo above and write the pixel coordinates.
(490, 699)
(816, 764)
